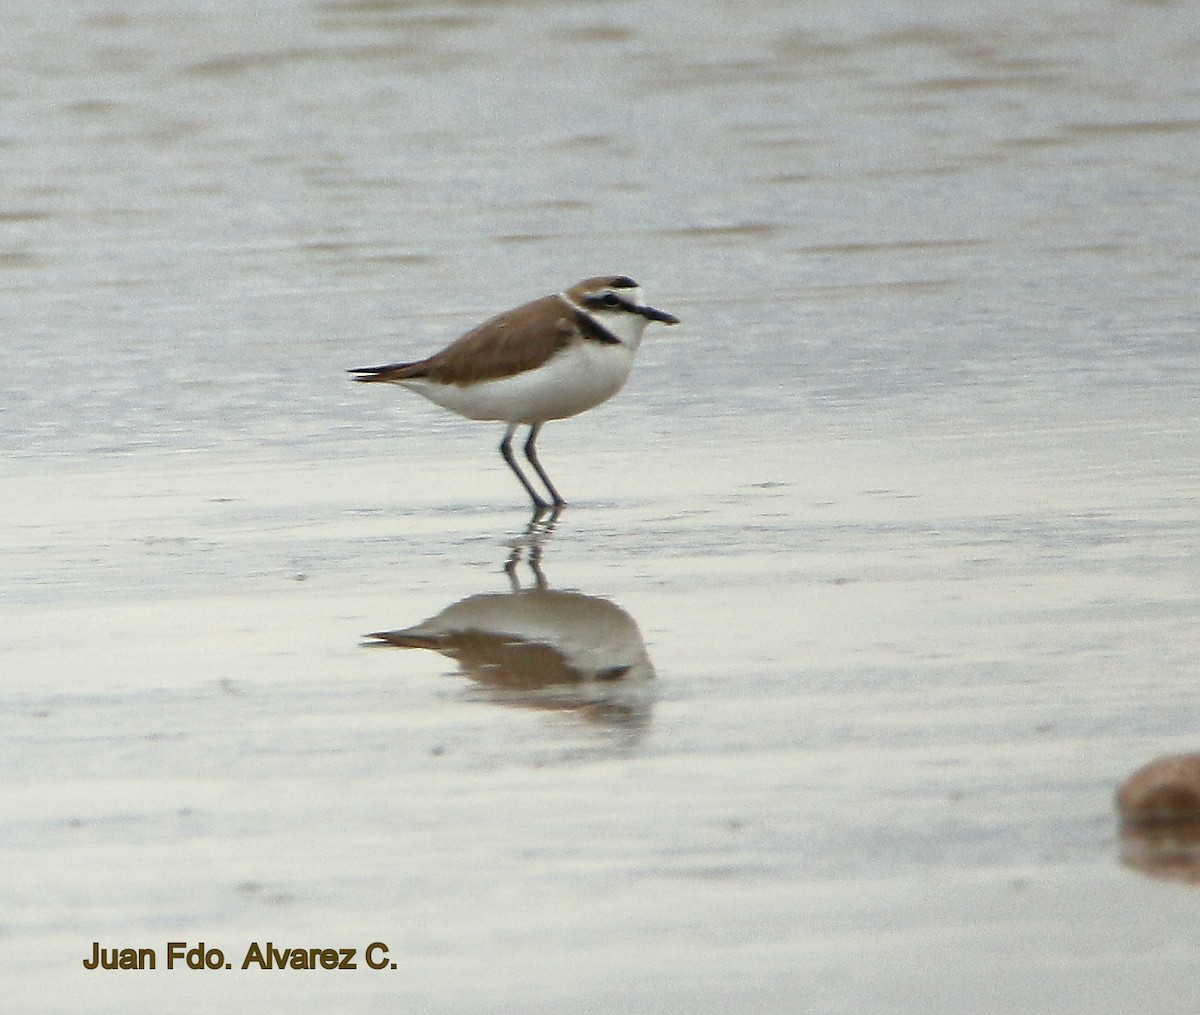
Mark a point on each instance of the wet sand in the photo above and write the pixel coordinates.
(894, 691)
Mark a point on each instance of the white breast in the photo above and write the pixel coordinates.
(575, 379)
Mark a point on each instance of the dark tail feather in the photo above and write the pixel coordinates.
(390, 372)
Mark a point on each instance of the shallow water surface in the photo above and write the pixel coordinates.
(876, 580)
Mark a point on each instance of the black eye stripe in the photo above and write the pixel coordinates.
(609, 301)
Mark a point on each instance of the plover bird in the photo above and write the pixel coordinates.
(549, 359)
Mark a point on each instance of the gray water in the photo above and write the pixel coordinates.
(211, 211)
(903, 515)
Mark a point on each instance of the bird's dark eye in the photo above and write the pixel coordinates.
(611, 300)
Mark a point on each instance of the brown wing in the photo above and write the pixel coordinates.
(509, 343)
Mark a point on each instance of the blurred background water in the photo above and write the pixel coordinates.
(960, 213)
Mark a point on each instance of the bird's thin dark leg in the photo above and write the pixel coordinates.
(531, 454)
(539, 505)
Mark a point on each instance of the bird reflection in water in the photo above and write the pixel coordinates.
(538, 647)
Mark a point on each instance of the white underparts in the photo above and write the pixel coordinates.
(577, 378)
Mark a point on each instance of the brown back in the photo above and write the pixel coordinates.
(509, 343)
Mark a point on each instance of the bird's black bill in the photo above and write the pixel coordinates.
(611, 301)
(655, 315)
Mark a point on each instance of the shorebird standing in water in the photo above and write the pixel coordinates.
(549, 359)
